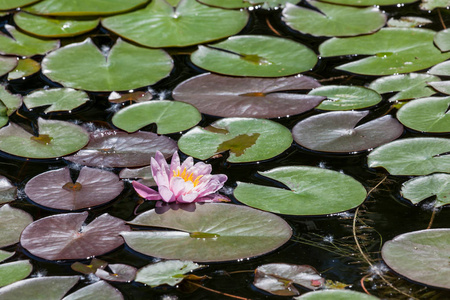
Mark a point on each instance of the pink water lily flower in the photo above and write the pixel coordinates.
(185, 183)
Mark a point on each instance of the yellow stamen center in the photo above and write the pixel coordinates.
(187, 176)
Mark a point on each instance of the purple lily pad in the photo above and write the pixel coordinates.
(112, 148)
(226, 96)
(338, 132)
(65, 236)
(55, 188)
(120, 273)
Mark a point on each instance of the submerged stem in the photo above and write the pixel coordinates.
(217, 292)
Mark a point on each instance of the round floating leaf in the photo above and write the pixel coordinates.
(7, 190)
(165, 272)
(392, 50)
(23, 44)
(312, 191)
(246, 139)
(11, 4)
(58, 99)
(189, 23)
(370, 2)
(169, 116)
(339, 131)
(421, 256)
(12, 222)
(117, 149)
(432, 4)
(82, 7)
(408, 86)
(9, 103)
(96, 291)
(144, 173)
(279, 279)
(255, 55)
(426, 114)
(55, 188)
(4, 255)
(54, 27)
(441, 39)
(212, 232)
(442, 69)
(441, 86)
(120, 273)
(413, 156)
(26, 67)
(14, 271)
(230, 4)
(421, 188)
(56, 138)
(65, 236)
(123, 67)
(408, 22)
(336, 295)
(226, 96)
(333, 20)
(39, 288)
(7, 64)
(346, 97)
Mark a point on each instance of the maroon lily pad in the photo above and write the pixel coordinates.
(339, 132)
(226, 96)
(120, 273)
(65, 236)
(55, 188)
(279, 279)
(112, 148)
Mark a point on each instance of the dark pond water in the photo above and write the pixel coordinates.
(383, 216)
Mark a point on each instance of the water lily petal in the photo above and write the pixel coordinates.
(175, 163)
(146, 192)
(201, 168)
(188, 198)
(159, 173)
(166, 194)
(188, 163)
(213, 198)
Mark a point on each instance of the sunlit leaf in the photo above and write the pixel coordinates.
(7, 190)
(432, 4)
(26, 67)
(311, 191)
(97, 291)
(336, 295)
(166, 272)
(226, 96)
(189, 23)
(71, 238)
(11, 4)
(12, 222)
(266, 4)
(119, 273)
(7, 64)
(408, 22)
(421, 188)
(4, 255)
(14, 271)
(58, 99)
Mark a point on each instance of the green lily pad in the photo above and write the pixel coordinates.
(56, 138)
(26, 67)
(11, 4)
(441, 86)
(441, 39)
(420, 256)
(233, 4)
(189, 23)
(4, 255)
(408, 22)
(9, 103)
(7, 191)
(14, 271)
(58, 99)
(340, 131)
(279, 279)
(426, 114)
(169, 116)
(255, 55)
(12, 222)
(370, 2)
(212, 232)
(165, 272)
(408, 86)
(100, 290)
(54, 27)
(227, 96)
(346, 97)
(124, 67)
(82, 7)
(432, 4)
(22, 44)
(111, 148)
(38, 288)
(391, 50)
(421, 188)
(413, 156)
(311, 191)
(7, 64)
(333, 20)
(246, 139)
(336, 295)
(442, 69)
